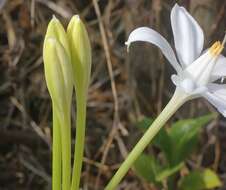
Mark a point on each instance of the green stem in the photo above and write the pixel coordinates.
(176, 101)
(65, 123)
(79, 140)
(56, 154)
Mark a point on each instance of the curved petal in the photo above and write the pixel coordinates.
(188, 35)
(146, 34)
(217, 96)
(219, 70)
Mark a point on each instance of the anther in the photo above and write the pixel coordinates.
(216, 48)
(213, 48)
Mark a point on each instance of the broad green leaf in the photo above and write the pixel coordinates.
(184, 135)
(147, 167)
(168, 171)
(200, 180)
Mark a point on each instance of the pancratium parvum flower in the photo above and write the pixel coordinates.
(196, 74)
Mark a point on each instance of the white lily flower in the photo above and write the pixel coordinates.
(196, 74)
(196, 71)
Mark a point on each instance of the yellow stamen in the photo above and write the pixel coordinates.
(216, 48)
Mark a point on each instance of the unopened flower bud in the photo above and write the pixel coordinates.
(56, 30)
(57, 64)
(80, 53)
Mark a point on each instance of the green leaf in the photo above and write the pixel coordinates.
(147, 167)
(184, 136)
(168, 171)
(163, 142)
(200, 180)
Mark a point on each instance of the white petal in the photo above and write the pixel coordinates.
(146, 34)
(219, 70)
(218, 89)
(188, 35)
(201, 69)
(217, 96)
(188, 86)
(175, 79)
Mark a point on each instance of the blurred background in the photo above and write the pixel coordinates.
(125, 88)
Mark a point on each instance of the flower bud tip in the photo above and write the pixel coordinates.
(77, 16)
(54, 18)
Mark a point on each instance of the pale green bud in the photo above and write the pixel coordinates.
(53, 72)
(80, 53)
(57, 64)
(56, 30)
(57, 73)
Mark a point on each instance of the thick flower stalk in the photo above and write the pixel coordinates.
(58, 75)
(196, 76)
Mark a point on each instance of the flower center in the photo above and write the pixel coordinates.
(217, 48)
(199, 72)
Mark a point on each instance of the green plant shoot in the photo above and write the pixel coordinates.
(57, 65)
(81, 63)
